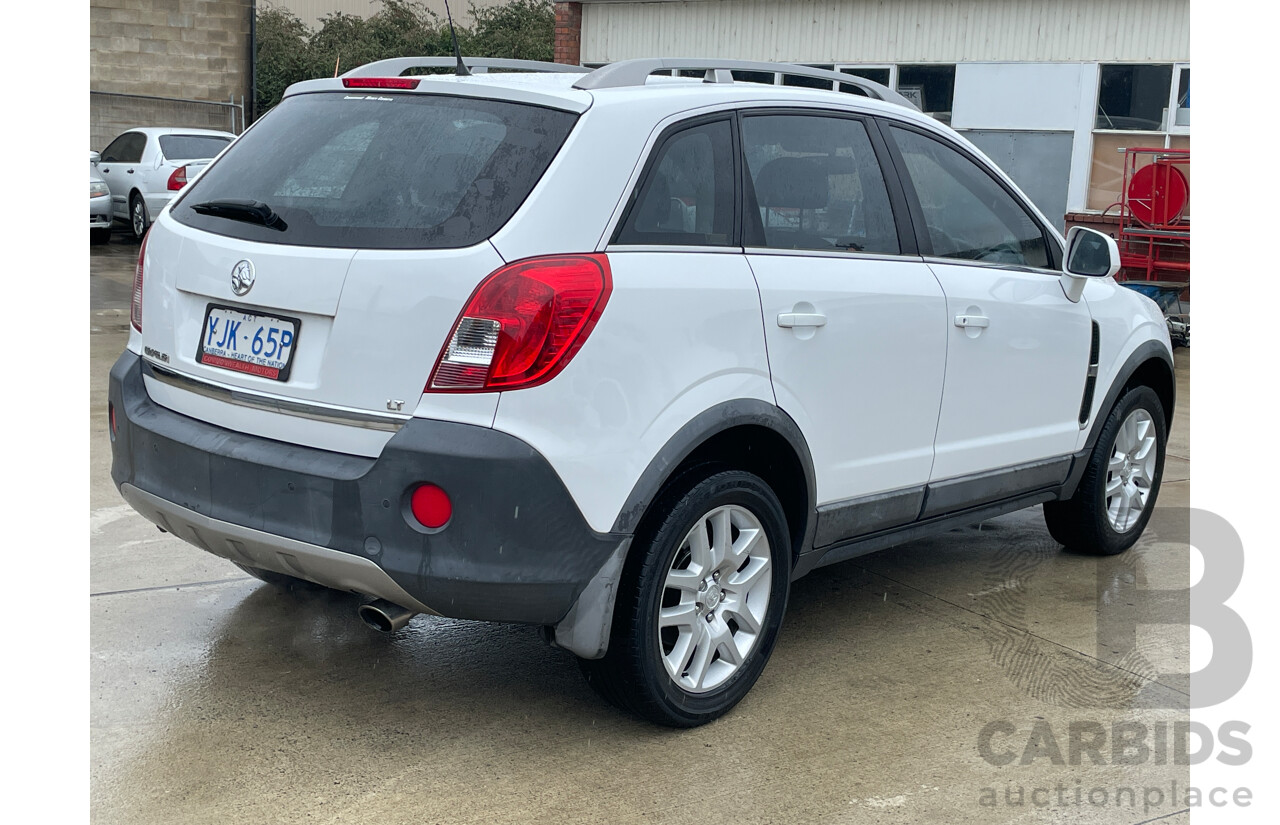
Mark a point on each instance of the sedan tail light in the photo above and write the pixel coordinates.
(523, 324)
(178, 179)
(135, 310)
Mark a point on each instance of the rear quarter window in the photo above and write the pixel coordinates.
(383, 171)
(192, 147)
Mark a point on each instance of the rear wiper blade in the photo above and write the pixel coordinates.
(248, 211)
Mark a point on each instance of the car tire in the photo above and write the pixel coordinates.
(1128, 461)
(98, 237)
(282, 581)
(687, 608)
(139, 220)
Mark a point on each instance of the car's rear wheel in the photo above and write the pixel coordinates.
(701, 602)
(1113, 503)
(139, 220)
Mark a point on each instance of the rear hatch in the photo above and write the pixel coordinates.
(322, 261)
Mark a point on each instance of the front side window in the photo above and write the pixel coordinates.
(817, 185)
(967, 214)
(687, 194)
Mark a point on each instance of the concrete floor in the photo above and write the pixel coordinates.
(216, 699)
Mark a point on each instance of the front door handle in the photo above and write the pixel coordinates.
(801, 319)
(129, 171)
(973, 321)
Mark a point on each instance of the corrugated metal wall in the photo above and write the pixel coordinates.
(891, 31)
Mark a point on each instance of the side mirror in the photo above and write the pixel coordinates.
(94, 157)
(1090, 254)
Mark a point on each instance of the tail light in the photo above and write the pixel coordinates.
(178, 179)
(135, 311)
(523, 324)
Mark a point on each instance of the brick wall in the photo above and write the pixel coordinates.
(191, 49)
(568, 42)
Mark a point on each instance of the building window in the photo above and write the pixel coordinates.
(1182, 104)
(1133, 98)
(929, 87)
(1139, 106)
(754, 77)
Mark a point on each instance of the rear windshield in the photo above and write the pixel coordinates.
(192, 147)
(382, 171)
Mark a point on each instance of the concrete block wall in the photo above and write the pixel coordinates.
(191, 49)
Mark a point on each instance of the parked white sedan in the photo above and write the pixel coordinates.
(145, 168)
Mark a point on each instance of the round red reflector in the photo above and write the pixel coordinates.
(431, 506)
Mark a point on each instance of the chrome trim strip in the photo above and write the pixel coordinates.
(1030, 270)
(266, 551)
(844, 255)
(618, 248)
(300, 409)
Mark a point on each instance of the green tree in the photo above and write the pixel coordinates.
(289, 51)
(521, 29)
(282, 54)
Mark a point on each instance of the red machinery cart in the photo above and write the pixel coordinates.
(1155, 231)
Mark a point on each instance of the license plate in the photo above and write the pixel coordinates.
(247, 342)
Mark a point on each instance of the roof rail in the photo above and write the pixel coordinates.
(718, 70)
(396, 66)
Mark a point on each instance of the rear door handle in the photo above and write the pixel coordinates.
(801, 319)
(973, 321)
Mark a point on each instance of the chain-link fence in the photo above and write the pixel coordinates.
(111, 113)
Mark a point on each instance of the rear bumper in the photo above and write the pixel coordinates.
(516, 549)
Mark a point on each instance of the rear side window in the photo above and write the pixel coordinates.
(192, 147)
(388, 171)
(968, 215)
(126, 149)
(817, 184)
(686, 197)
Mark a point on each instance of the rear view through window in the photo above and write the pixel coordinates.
(192, 147)
(378, 171)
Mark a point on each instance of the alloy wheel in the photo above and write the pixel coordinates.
(1131, 470)
(139, 218)
(714, 599)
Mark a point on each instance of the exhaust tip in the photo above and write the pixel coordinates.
(385, 617)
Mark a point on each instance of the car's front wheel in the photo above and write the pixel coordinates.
(701, 602)
(139, 220)
(1113, 503)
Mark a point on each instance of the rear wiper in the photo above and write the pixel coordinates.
(242, 210)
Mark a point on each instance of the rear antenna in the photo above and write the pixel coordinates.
(462, 70)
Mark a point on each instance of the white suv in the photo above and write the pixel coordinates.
(622, 356)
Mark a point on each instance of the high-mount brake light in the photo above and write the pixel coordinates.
(523, 324)
(135, 309)
(381, 82)
(178, 179)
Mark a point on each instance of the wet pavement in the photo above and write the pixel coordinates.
(218, 699)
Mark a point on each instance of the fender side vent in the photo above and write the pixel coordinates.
(1091, 382)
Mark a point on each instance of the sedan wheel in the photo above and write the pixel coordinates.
(138, 217)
